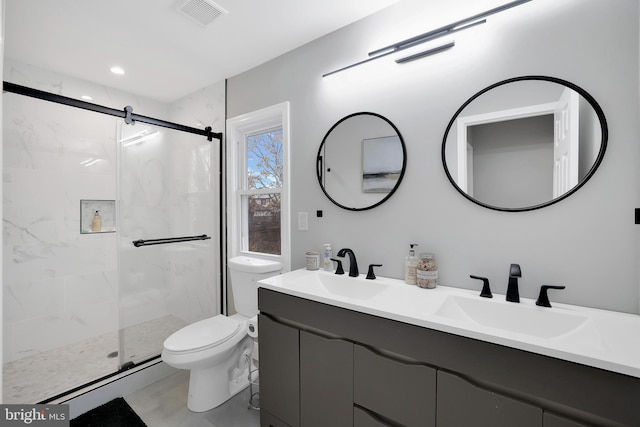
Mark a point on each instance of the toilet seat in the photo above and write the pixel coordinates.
(202, 335)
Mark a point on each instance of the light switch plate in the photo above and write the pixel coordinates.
(303, 221)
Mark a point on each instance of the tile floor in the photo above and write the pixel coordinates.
(164, 404)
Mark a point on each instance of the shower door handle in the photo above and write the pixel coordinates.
(149, 242)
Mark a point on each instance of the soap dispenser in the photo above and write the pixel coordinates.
(327, 264)
(96, 222)
(411, 266)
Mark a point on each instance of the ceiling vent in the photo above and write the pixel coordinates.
(203, 12)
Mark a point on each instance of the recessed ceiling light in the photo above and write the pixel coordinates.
(117, 70)
(86, 97)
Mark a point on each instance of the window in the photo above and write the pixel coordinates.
(261, 196)
(257, 184)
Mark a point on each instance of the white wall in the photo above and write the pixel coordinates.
(588, 242)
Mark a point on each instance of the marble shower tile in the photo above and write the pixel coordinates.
(31, 300)
(91, 289)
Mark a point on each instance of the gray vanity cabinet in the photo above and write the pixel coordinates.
(362, 418)
(326, 381)
(307, 379)
(461, 403)
(279, 374)
(551, 420)
(322, 365)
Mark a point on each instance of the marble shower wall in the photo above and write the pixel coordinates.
(60, 286)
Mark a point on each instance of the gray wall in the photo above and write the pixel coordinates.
(525, 162)
(588, 242)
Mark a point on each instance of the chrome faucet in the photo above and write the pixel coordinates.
(512, 288)
(353, 265)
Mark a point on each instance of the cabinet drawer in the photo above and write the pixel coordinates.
(551, 420)
(461, 403)
(401, 391)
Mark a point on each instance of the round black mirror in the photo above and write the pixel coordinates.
(524, 143)
(361, 161)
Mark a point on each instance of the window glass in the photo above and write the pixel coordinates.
(264, 163)
(264, 160)
(263, 223)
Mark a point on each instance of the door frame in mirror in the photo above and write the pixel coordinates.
(319, 162)
(603, 145)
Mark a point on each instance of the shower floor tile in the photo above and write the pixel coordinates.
(42, 376)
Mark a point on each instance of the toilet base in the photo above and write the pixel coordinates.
(207, 390)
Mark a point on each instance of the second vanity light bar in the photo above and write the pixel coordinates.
(425, 53)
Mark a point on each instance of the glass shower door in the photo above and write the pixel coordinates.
(60, 280)
(168, 188)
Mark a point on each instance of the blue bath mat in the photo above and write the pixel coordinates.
(116, 413)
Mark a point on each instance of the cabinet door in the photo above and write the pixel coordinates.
(363, 419)
(279, 371)
(326, 381)
(399, 390)
(551, 420)
(461, 403)
(268, 420)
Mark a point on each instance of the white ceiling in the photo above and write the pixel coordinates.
(166, 56)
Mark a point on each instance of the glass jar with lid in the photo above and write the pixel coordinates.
(427, 271)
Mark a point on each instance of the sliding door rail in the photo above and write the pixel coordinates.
(126, 113)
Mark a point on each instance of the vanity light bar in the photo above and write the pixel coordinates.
(414, 42)
(443, 31)
(446, 30)
(356, 64)
(425, 53)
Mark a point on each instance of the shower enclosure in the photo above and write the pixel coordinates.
(81, 300)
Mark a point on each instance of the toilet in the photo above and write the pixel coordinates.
(218, 350)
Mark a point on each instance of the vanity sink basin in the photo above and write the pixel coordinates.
(511, 317)
(351, 287)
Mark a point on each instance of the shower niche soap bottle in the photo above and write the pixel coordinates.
(96, 222)
(411, 266)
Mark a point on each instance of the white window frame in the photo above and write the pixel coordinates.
(238, 128)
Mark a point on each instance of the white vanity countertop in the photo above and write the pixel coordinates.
(599, 338)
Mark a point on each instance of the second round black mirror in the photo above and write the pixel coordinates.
(524, 143)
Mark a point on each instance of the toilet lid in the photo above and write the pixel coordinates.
(205, 333)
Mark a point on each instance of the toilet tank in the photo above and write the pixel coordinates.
(245, 272)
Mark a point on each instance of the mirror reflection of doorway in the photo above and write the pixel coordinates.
(508, 170)
(523, 156)
(566, 143)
